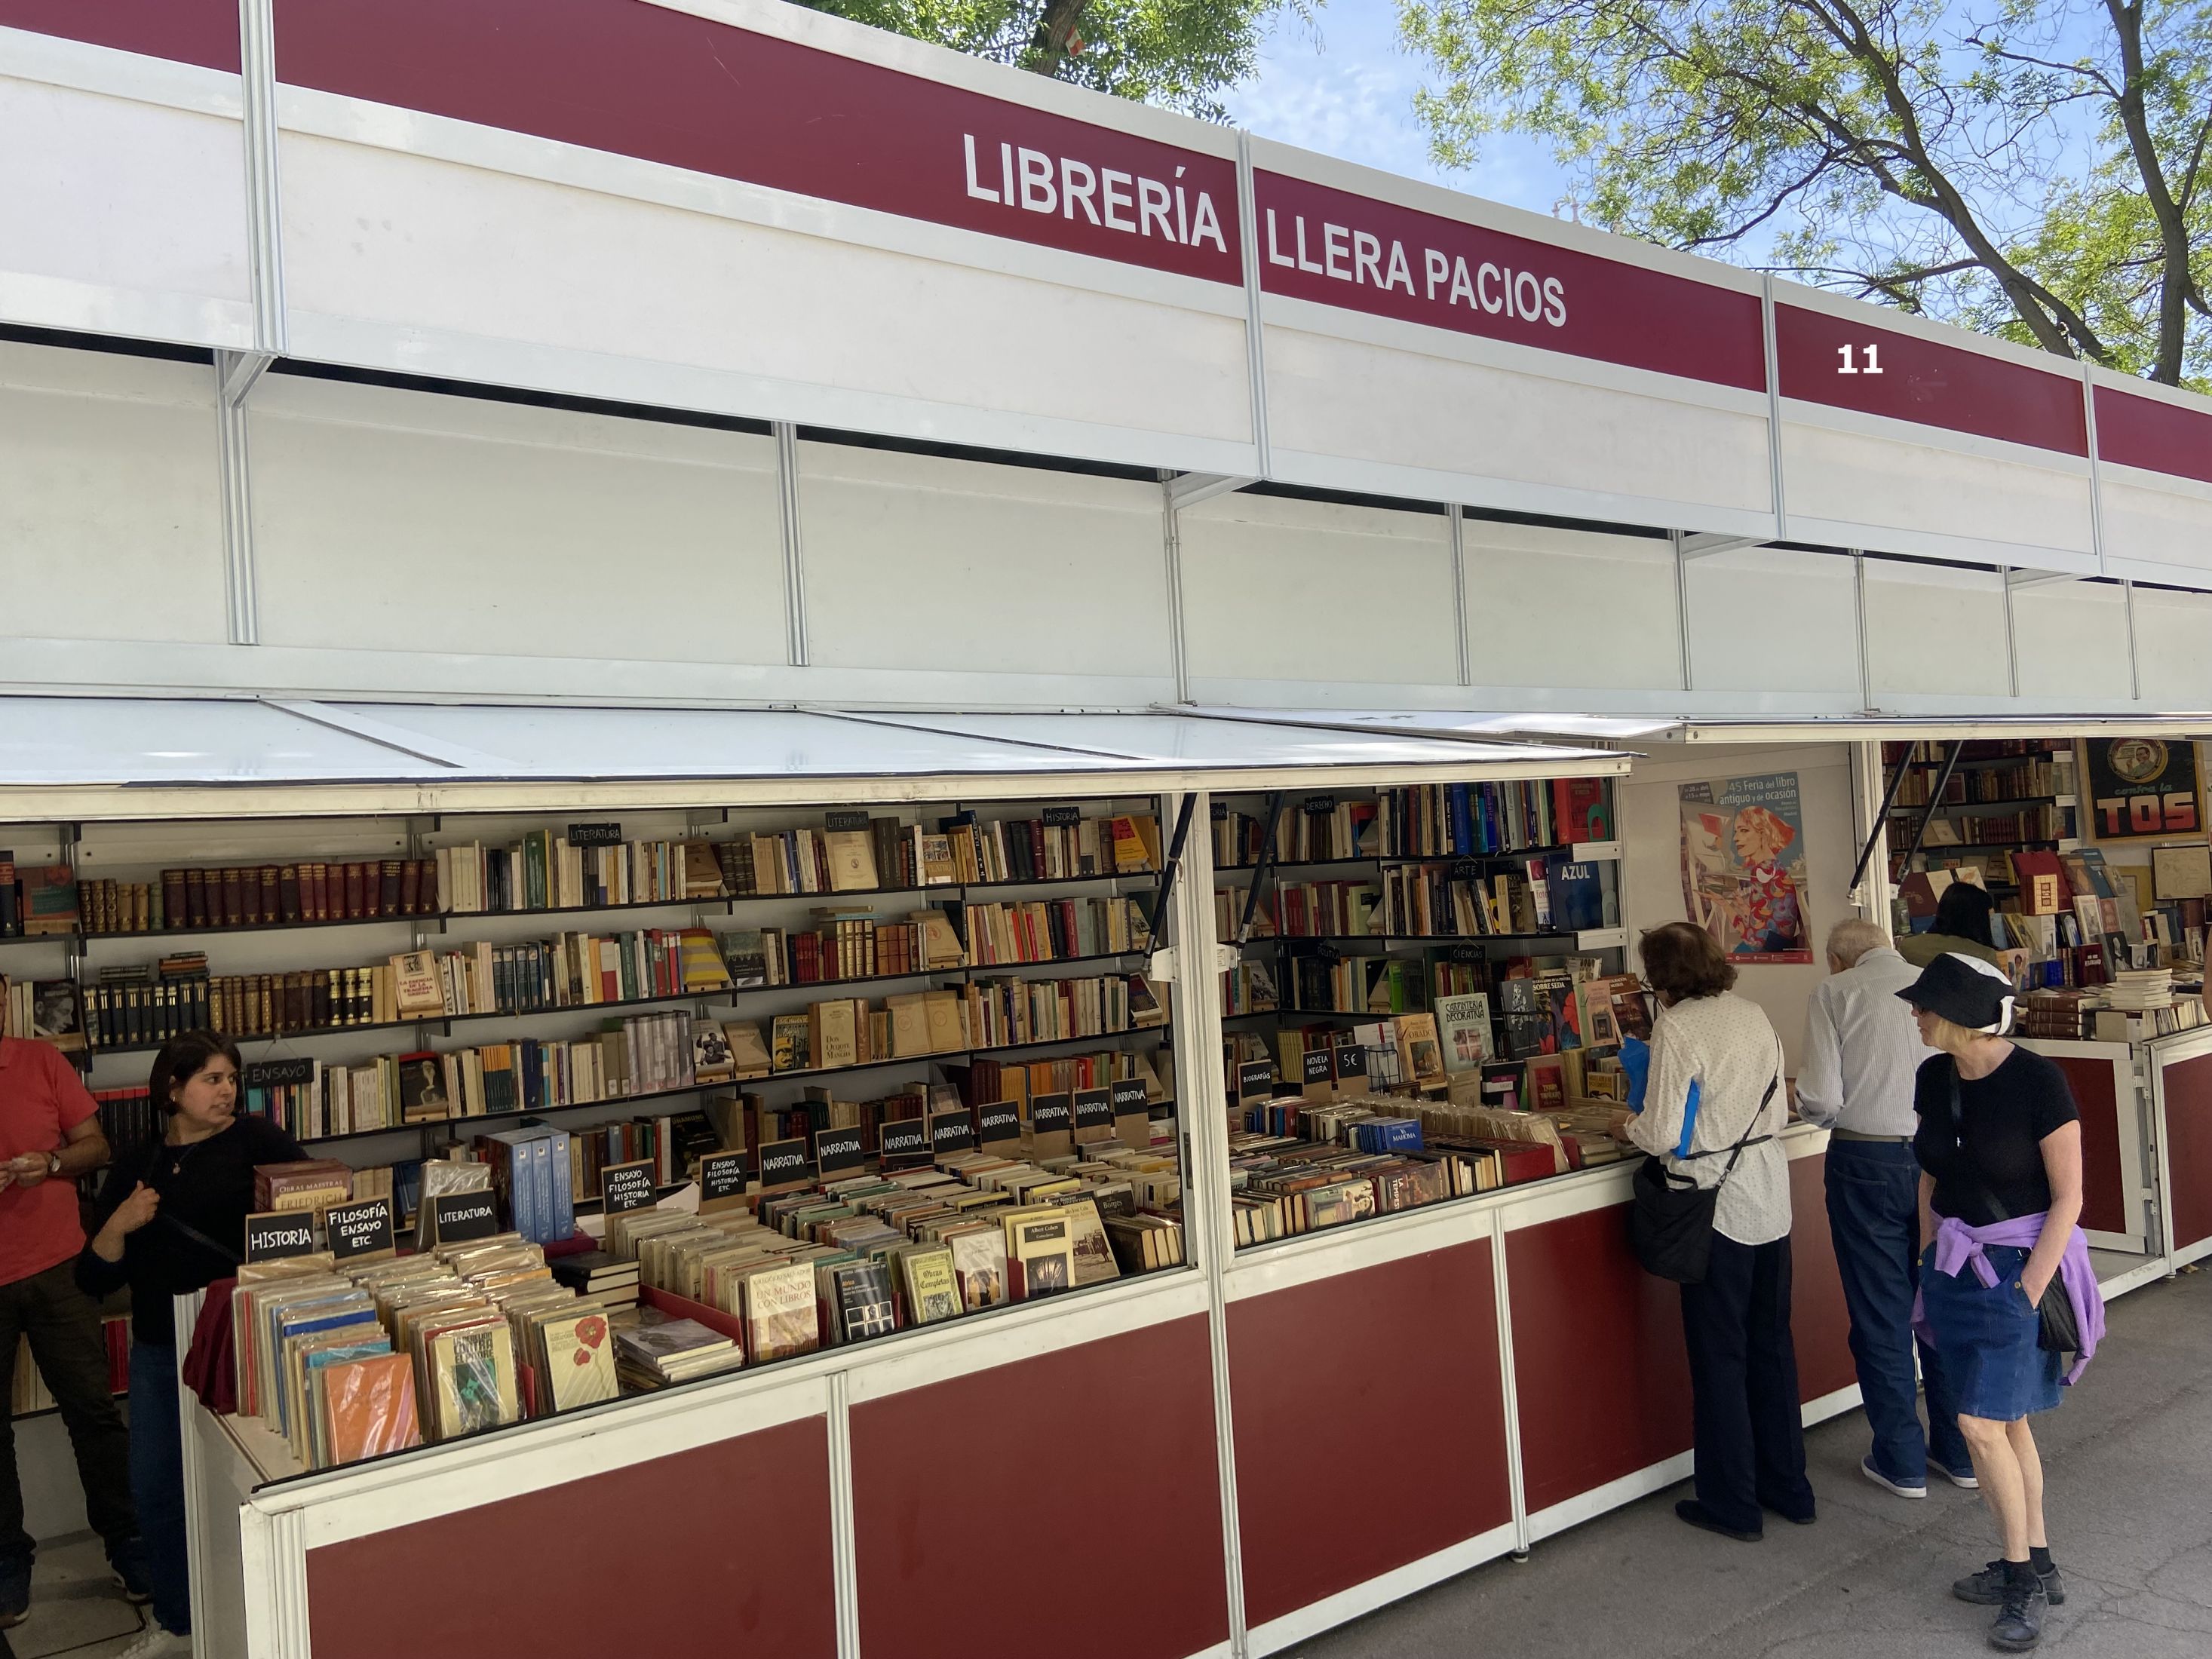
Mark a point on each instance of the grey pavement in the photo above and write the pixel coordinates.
(2127, 1459)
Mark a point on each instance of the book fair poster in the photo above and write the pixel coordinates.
(1743, 865)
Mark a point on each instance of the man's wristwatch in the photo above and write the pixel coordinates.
(53, 1163)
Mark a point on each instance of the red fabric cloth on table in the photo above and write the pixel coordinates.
(211, 1364)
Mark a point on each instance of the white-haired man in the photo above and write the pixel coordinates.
(1857, 1080)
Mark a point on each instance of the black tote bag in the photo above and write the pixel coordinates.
(1670, 1223)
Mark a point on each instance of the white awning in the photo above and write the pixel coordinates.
(79, 758)
(1659, 732)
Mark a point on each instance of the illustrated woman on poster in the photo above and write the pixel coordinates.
(1768, 917)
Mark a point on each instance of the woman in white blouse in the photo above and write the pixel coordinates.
(1743, 1369)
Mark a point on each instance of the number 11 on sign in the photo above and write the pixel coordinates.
(1873, 362)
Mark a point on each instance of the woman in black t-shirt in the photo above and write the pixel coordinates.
(170, 1219)
(2000, 1151)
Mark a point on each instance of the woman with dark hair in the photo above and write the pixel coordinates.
(1961, 928)
(170, 1219)
(1713, 1106)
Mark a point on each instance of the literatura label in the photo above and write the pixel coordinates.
(1094, 1108)
(629, 1187)
(908, 1139)
(273, 1236)
(1052, 1115)
(1317, 1065)
(595, 835)
(359, 1229)
(276, 1073)
(1255, 1079)
(838, 1149)
(1351, 1062)
(997, 1122)
(845, 821)
(1062, 815)
(457, 1218)
(952, 1131)
(723, 1176)
(1129, 1097)
(783, 1163)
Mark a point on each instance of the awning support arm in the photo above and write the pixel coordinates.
(1259, 871)
(1168, 874)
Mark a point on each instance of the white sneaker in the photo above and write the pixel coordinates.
(155, 1643)
(1868, 1469)
(1967, 1481)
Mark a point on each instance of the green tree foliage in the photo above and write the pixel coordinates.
(1180, 54)
(2033, 168)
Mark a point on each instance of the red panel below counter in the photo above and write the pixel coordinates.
(2189, 1147)
(1601, 1376)
(1325, 1378)
(2104, 1193)
(1819, 1322)
(722, 1549)
(1068, 1505)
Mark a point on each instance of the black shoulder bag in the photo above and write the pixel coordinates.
(1670, 1223)
(2061, 1332)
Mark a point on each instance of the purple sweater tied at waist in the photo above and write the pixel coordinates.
(1958, 1245)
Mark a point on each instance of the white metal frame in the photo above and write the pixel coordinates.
(2129, 1096)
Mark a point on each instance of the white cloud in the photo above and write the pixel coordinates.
(1350, 94)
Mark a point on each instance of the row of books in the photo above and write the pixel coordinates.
(641, 1055)
(545, 870)
(1422, 821)
(391, 1353)
(855, 854)
(259, 894)
(849, 1260)
(2033, 775)
(134, 1007)
(2026, 826)
(1431, 901)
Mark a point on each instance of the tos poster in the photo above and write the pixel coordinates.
(1743, 866)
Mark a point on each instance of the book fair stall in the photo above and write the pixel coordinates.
(995, 923)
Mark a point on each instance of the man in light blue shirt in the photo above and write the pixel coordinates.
(1861, 1049)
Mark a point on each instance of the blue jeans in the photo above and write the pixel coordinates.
(157, 1482)
(1873, 1216)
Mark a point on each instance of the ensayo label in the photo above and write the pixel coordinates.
(626, 1187)
(359, 1229)
(723, 1175)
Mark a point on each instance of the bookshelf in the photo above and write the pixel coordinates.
(1484, 874)
(2032, 781)
(1019, 861)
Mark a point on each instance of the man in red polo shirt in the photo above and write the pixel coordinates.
(48, 1136)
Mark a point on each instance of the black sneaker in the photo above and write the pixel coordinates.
(2018, 1624)
(1986, 1588)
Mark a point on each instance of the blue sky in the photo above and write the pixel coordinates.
(1342, 85)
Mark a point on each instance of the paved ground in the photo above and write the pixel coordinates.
(2129, 1460)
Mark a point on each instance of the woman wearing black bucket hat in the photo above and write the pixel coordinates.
(2000, 1151)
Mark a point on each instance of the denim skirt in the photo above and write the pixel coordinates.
(1986, 1338)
